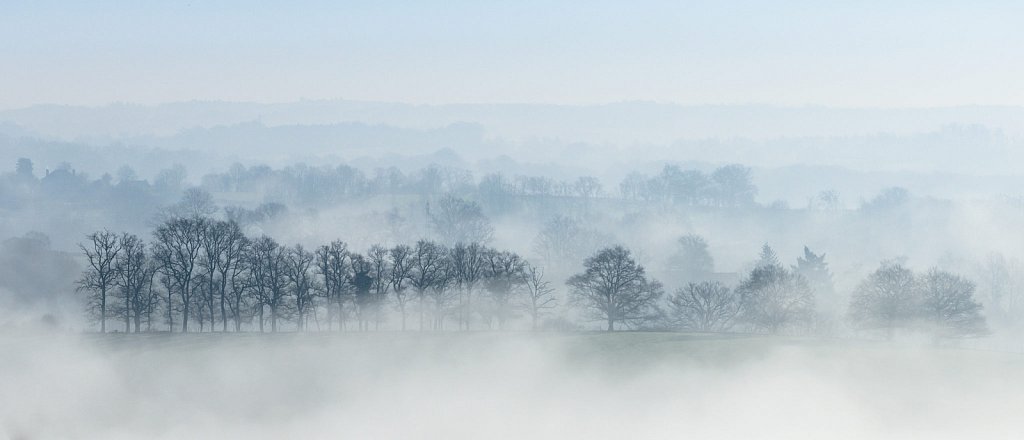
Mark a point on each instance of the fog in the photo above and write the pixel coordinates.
(499, 386)
(511, 221)
(293, 357)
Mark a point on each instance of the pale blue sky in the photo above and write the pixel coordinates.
(855, 53)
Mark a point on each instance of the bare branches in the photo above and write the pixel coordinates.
(615, 288)
(704, 307)
(101, 251)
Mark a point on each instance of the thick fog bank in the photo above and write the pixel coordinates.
(582, 385)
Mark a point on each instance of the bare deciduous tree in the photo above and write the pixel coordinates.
(773, 298)
(614, 288)
(427, 267)
(401, 272)
(469, 263)
(504, 274)
(708, 306)
(269, 277)
(380, 271)
(361, 280)
(179, 242)
(332, 264)
(460, 221)
(539, 294)
(299, 264)
(100, 275)
(133, 278)
(948, 305)
(886, 300)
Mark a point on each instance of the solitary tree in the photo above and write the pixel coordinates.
(708, 306)
(614, 288)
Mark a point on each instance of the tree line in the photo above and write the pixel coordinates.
(201, 270)
(772, 298)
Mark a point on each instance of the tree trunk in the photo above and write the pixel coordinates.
(261, 318)
(209, 304)
(421, 311)
(170, 311)
(103, 309)
(611, 324)
(273, 319)
(223, 311)
(184, 318)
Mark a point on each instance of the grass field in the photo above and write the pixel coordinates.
(501, 385)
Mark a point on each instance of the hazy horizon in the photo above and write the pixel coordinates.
(849, 54)
(511, 220)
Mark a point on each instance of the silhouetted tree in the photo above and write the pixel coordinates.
(426, 268)
(767, 257)
(563, 241)
(733, 186)
(469, 263)
(692, 260)
(133, 279)
(460, 221)
(24, 168)
(885, 300)
(614, 288)
(332, 261)
(948, 305)
(401, 274)
(233, 245)
(299, 272)
(773, 298)
(236, 277)
(814, 269)
(380, 272)
(539, 294)
(100, 276)
(362, 283)
(503, 276)
(178, 247)
(708, 306)
(268, 265)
